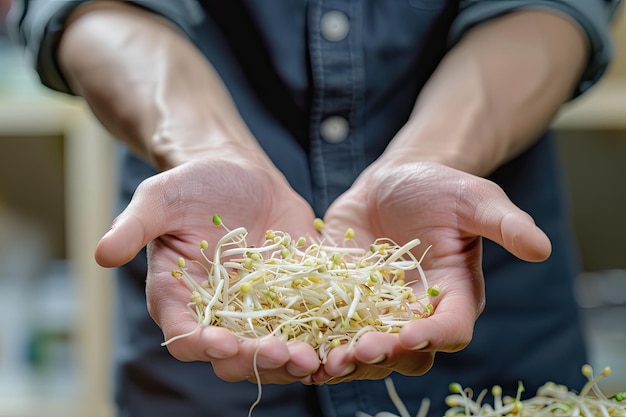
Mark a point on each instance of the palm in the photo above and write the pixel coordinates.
(448, 211)
(172, 211)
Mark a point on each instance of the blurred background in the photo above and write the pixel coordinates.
(56, 187)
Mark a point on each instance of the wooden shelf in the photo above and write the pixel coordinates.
(36, 406)
(89, 184)
(601, 108)
(604, 106)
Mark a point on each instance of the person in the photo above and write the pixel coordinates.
(399, 119)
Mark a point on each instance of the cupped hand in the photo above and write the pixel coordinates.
(449, 211)
(172, 213)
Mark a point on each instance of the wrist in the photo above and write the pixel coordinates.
(494, 93)
(177, 141)
(467, 143)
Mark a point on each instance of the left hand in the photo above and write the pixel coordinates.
(450, 210)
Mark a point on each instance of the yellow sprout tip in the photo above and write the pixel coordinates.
(246, 287)
(434, 291)
(452, 402)
(318, 224)
(455, 387)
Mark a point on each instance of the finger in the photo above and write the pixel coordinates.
(340, 362)
(185, 338)
(342, 365)
(303, 360)
(142, 221)
(450, 327)
(194, 343)
(255, 357)
(523, 238)
(383, 350)
(486, 210)
(122, 242)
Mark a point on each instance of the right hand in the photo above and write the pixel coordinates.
(171, 213)
(153, 89)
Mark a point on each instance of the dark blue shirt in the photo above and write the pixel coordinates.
(324, 86)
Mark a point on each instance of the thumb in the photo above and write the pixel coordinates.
(122, 242)
(141, 222)
(490, 213)
(521, 237)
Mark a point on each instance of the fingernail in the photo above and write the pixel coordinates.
(348, 370)
(265, 363)
(216, 354)
(297, 372)
(377, 359)
(420, 346)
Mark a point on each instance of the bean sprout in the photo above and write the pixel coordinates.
(328, 295)
(302, 290)
(551, 400)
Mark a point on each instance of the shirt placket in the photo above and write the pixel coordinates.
(336, 54)
(336, 144)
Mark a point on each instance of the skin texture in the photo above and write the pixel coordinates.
(502, 84)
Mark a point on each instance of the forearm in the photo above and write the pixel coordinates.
(149, 85)
(494, 92)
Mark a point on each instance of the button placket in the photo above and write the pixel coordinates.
(335, 67)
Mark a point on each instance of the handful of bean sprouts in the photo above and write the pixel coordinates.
(551, 400)
(298, 290)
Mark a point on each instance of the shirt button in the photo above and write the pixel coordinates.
(334, 129)
(334, 25)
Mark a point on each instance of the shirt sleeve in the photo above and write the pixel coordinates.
(37, 25)
(592, 16)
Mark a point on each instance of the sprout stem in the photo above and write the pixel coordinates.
(302, 290)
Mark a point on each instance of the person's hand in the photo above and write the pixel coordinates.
(171, 213)
(167, 103)
(450, 210)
